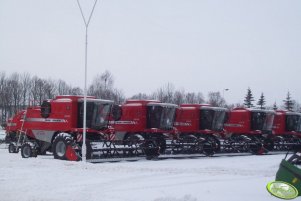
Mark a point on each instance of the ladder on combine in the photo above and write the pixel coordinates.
(14, 147)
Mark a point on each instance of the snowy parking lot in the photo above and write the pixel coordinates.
(236, 178)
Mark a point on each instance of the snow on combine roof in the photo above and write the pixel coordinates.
(162, 104)
(203, 106)
(70, 98)
(253, 110)
(96, 100)
(288, 112)
(150, 103)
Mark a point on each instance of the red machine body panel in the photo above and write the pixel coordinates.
(249, 121)
(187, 119)
(133, 118)
(137, 118)
(287, 123)
(199, 118)
(14, 124)
(239, 121)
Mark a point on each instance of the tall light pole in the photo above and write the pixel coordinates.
(87, 22)
(224, 94)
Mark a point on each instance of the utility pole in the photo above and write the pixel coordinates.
(87, 22)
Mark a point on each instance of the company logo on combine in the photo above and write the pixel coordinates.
(282, 190)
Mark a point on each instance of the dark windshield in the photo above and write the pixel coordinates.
(160, 117)
(293, 123)
(212, 119)
(262, 121)
(97, 115)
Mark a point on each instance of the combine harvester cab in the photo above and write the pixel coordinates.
(200, 127)
(287, 130)
(249, 130)
(57, 126)
(146, 121)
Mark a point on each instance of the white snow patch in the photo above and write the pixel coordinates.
(202, 179)
(2, 134)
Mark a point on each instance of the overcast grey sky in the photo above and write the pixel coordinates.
(198, 45)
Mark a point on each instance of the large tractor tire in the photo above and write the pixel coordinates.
(134, 142)
(12, 148)
(161, 142)
(60, 144)
(151, 149)
(28, 149)
(208, 148)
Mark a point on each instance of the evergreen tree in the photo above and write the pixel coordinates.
(288, 102)
(261, 101)
(275, 106)
(249, 99)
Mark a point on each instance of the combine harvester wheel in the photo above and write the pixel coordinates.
(28, 150)
(12, 148)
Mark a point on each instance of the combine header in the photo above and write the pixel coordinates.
(249, 130)
(287, 130)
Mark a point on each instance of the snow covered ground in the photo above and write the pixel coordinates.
(2, 134)
(239, 178)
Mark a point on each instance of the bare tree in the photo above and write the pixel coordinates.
(179, 97)
(191, 98)
(62, 87)
(141, 96)
(76, 91)
(165, 93)
(215, 99)
(107, 79)
(25, 80)
(103, 87)
(49, 89)
(15, 88)
(2, 95)
(200, 98)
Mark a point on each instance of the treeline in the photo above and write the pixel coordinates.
(288, 103)
(169, 94)
(18, 91)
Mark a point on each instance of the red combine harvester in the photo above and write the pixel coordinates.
(200, 127)
(149, 120)
(287, 130)
(249, 130)
(57, 126)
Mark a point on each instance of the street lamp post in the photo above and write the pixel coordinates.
(224, 94)
(84, 147)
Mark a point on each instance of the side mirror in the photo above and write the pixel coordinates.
(116, 112)
(45, 109)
